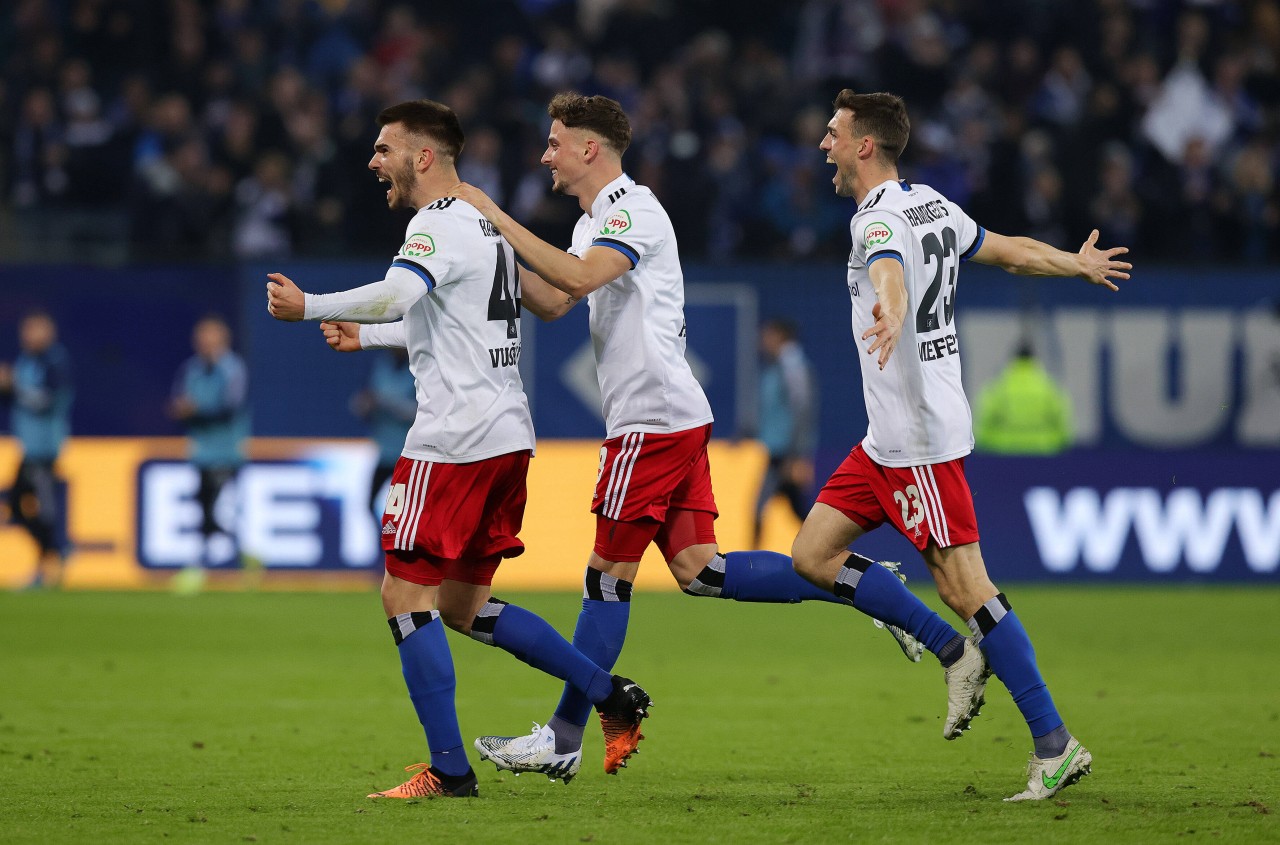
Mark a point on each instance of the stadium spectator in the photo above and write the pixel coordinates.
(209, 399)
(1145, 76)
(39, 391)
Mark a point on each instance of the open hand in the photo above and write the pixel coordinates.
(886, 331)
(478, 198)
(284, 298)
(1097, 266)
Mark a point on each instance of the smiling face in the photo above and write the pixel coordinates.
(564, 157)
(841, 148)
(394, 156)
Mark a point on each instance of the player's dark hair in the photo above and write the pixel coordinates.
(597, 114)
(427, 117)
(883, 116)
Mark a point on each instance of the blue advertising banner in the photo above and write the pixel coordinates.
(1135, 516)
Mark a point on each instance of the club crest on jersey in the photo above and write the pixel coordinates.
(875, 234)
(419, 246)
(616, 223)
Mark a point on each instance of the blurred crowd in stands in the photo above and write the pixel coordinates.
(211, 129)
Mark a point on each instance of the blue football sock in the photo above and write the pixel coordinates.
(879, 593)
(528, 636)
(756, 576)
(428, 672)
(1008, 648)
(599, 634)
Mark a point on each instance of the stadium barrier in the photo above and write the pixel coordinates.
(1085, 516)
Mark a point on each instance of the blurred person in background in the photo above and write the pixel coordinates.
(38, 388)
(388, 404)
(1023, 411)
(788, 421)
(210, 397)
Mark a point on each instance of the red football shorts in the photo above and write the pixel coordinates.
(454, 520)
(922, 502)
(653, 487)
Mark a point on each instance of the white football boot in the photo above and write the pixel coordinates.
(1046, 778)
(966, 689)
(534, 752)
(910, 646)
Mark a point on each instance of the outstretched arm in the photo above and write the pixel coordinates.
(1029, 257)
(576, 276)
(380, 302)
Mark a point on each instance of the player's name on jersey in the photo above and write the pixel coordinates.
(922, 215)
(490, 231)
(505, 356)
(941, 347)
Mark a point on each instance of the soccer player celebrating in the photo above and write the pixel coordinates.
(654, 483)
(457, 494)
(908, 243)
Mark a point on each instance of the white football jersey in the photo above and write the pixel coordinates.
(637, 320)
(463, 337)
(916, 407)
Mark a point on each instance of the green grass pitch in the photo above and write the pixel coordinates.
(267, 717)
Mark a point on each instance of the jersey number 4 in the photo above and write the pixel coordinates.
(945, 259)
(504, 299)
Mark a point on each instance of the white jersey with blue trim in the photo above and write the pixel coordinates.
(463, 337)
(637, 320)
(916, 407)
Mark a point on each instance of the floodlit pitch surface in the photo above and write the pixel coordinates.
(267, 717)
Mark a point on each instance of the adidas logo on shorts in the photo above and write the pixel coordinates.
(389, 528)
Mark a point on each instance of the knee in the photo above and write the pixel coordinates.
(457, 618)
(806, 558)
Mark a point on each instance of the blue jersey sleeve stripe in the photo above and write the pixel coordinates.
(977, 244)
(417, 269)
(887, 253)
(630, 253)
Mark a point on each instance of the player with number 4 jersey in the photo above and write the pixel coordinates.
(908, 244)
(457, 495)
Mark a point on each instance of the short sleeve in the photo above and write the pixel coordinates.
(880, 233)
(969, 235)
(430, 251)
(634, 227)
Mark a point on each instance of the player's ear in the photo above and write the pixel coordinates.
(590, 149)
(867, 148)
(426, 156)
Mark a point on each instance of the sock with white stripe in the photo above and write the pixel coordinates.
(528, 636)
(428, 673)
(756, 576)
(877, 592)
(599, 634)
(1002, 638)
